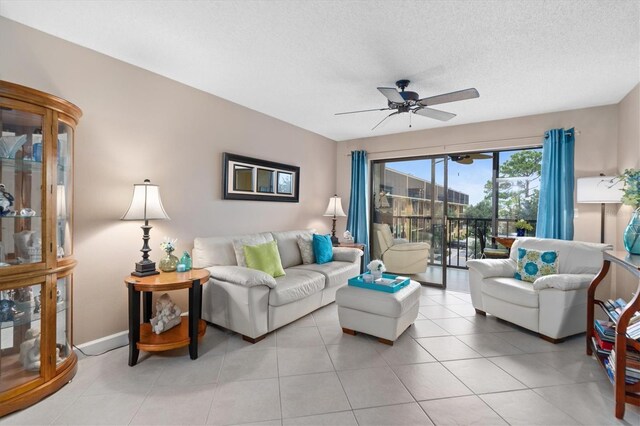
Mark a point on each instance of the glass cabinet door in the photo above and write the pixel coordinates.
(64, 195)
(20, 310)
(63, 318)
(21, 180)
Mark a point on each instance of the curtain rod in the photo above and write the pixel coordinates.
(577, 133)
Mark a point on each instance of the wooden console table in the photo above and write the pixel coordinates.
(623, 392)
(141, 336)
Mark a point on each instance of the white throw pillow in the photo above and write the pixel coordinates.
(305, 243)
(248, 240)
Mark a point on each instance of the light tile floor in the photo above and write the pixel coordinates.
(450, 367)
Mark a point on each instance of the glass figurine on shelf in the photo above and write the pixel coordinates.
(6, 201)
(186, 261)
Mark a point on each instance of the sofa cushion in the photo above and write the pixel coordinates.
(532, 264)
(305, 244)
(511, 290)
(336, 273)
(264, 257)
(295, 285)
(392, 305)
(213, 251)
(288, 246)
(248, 240)
(322, 248)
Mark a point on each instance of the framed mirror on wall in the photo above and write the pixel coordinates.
(246, 178)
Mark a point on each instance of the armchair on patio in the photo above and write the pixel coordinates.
(399, 255)
(490, 252)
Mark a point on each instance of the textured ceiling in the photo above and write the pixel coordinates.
(303, 61)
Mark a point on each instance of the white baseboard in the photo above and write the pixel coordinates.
(104, 344)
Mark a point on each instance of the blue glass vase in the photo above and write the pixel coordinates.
(186, 261)
(631, 236)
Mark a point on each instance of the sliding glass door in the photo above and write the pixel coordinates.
(450, 209)
(409, 217)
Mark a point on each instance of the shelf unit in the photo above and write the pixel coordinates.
(623, 392)
(36, 250)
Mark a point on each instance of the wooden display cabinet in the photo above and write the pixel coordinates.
(36, 250)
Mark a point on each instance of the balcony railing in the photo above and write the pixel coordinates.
(463, 242)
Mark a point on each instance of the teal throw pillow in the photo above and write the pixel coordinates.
(532, 264)
(322, 248)
(265, 258)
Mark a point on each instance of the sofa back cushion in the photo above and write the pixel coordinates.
(218, 251)
(574, 257)
(288, 246)
(248, 240)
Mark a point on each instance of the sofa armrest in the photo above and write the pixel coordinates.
(242, 276)
(564, 282)
(347, 254)
(488, 268)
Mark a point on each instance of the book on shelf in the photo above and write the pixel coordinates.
(606, 329)
(615, 307)
(601, 352)
(610, 368)
(631, 373)
(605, 345)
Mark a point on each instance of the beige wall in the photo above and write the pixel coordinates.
(628, 158)
(139, 125)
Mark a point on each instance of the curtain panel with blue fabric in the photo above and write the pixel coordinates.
(357, 219)
(555, 206)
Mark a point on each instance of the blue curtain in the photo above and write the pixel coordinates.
(555, 207)
(357, 222)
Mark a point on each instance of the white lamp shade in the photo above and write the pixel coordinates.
(146, 203)
(335, 207)
(599, 189)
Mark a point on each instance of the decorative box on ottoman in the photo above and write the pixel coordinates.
(380, 314)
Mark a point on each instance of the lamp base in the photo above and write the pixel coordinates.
(334, 240)
(145, 269)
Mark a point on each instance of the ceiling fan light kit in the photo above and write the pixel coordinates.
(407, 101)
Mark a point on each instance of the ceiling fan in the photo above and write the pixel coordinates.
(406, 101)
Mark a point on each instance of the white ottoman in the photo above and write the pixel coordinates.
(380, 314)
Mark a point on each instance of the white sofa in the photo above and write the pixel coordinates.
(554, 306)
(397, 254)
(253, 303)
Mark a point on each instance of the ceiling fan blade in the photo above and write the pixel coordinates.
(480, 156)
(435, 114)
(460, 95)
(392, 94)
(467, 160)
(364, 110)
(384, 119)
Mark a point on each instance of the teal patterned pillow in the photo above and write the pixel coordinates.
(532, 264)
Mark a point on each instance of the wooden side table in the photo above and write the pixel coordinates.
(358, 246)
(141, 336)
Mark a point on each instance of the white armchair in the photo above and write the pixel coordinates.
(399, 255)
(554, 306)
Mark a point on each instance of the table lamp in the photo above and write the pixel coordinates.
(334, 209)
(145, 205)
(600, 189)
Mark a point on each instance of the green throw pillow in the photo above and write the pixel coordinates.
(532, 264)
(265, 258)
